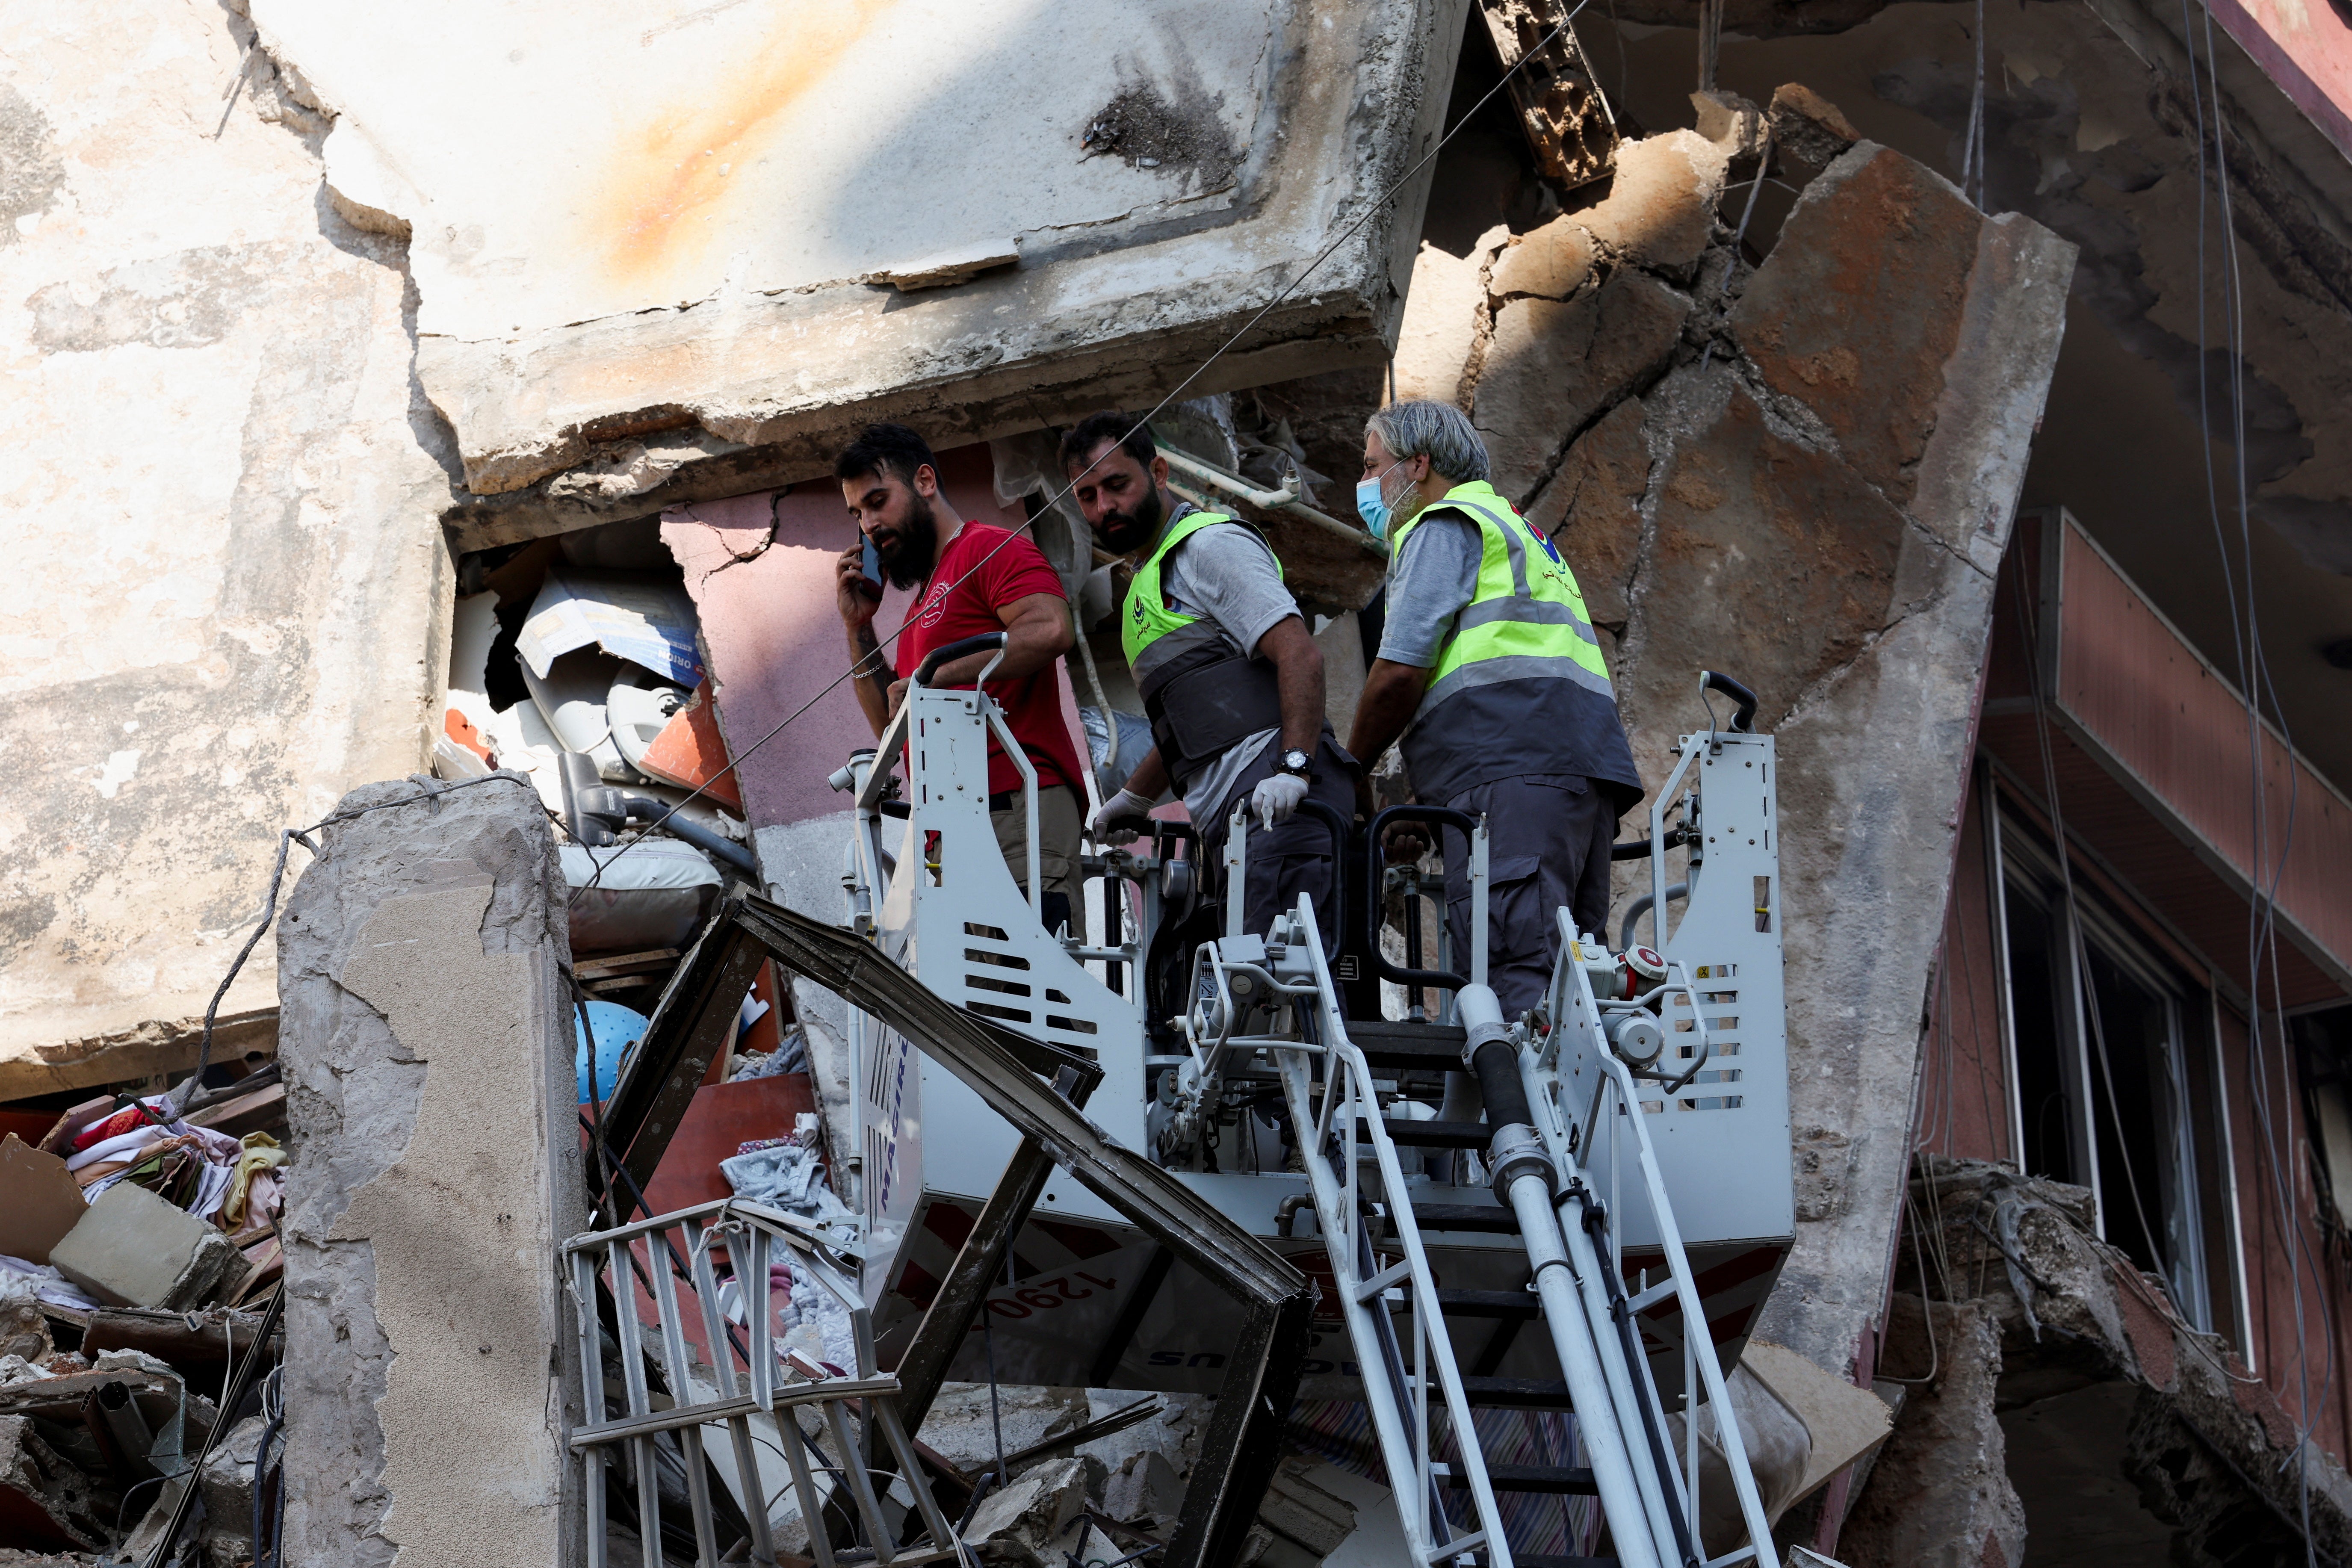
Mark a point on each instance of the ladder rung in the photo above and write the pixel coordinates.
(1652, 1296)
(1394, 1274)
(1436, 1048)
(1521, 1304)
(1516, 1393)
(1461, 1546)
(1492, 1218)
(1438, 1134)
(1552, 1479)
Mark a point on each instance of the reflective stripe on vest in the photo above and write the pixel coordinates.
(1526, 621)
(1153, 635)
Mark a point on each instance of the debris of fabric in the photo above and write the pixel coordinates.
(791, 1055)
(788, 1176)
(650, 893)
(648, 623)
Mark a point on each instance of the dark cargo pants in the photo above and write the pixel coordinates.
(1547, 838)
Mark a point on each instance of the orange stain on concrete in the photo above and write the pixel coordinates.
(664, 179)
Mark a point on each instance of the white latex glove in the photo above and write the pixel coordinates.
(1127, 809)
(1276, 798)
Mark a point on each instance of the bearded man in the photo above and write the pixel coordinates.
(969, 577)
(1230, 676)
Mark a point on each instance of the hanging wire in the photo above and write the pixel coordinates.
(1972, 140)
(287, 838)
(2253, 679)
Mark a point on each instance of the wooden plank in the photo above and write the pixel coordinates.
(623, 963)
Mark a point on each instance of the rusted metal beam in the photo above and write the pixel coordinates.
(1561, 109)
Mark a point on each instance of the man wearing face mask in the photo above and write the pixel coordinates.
(1491, 674)
(971, 578)
(1230, 679)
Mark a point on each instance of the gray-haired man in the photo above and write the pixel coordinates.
(1490, 673)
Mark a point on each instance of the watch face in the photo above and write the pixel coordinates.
(1294, 759)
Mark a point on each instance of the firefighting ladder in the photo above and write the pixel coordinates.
(1559, 1087)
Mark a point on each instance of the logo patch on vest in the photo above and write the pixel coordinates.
(1533, 533)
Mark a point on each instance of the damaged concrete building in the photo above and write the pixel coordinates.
(423, 456)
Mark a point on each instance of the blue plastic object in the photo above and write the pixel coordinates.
(617, 1028)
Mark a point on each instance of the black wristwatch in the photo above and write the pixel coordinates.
(1295, 762)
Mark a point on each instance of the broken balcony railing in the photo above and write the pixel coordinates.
(739, 1378)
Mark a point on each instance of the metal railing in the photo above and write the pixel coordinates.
(744, 1380)
(1670, 1493)
(1340, 1131)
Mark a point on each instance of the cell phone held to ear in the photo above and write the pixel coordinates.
(872, 568)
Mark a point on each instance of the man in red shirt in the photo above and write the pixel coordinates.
(972, 578)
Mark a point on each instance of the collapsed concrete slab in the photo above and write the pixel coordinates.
(2056, 1393)
(1802, 475)
(725, 267)
(428, 1053)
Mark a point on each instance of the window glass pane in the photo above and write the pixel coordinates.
(2132, 1108)
(2041, 1048)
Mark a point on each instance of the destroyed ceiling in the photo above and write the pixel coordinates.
(648, 237)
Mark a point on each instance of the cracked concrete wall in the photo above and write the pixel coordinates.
(232, 472)
(2089, 112)
(1802, 474)
(427, 1046)
(223, 489)
(683, 287)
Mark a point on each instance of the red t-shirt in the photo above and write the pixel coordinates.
(951, 609)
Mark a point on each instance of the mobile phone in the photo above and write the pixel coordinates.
(872, 568)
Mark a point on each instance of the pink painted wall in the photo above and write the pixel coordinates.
(772, 636)
(2181, 731)
(2305, 46)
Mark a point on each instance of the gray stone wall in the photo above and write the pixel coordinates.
(427, 1043)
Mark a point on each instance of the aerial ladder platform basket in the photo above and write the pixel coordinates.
(1182, 1156)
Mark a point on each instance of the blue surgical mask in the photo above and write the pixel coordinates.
(1371, 504)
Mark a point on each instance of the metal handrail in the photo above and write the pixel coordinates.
(1348, 1108)
(751, 1231)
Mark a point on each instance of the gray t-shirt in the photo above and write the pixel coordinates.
(1226, 572)
(1432, 578)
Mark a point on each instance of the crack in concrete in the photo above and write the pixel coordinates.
(1818, 690)
(739, 557)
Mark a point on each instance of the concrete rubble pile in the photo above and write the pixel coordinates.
(470, 959)
(2045, 1351)
(137, 1295)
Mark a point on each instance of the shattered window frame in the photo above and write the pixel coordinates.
(2194, 1204)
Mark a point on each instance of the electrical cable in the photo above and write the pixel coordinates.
(859, 668)
(2255, 679)
(287, 838)
(2077, 952)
